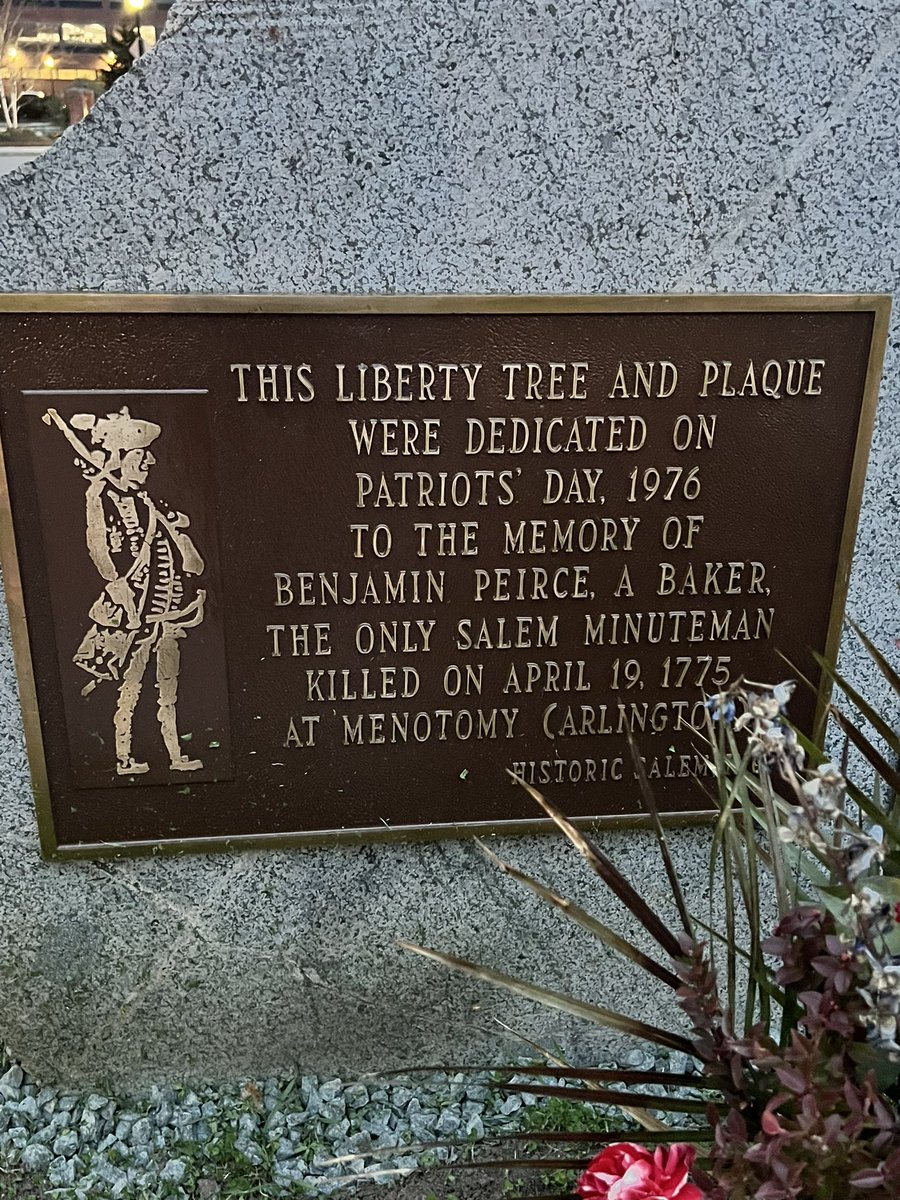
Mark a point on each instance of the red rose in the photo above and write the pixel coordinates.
(628, 1172)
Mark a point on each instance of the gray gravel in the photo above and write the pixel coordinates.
(280, 1135)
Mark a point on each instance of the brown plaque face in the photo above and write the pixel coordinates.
(285, 570)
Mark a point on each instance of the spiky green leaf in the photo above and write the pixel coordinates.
(609, 873)
(612, 939)
(865, 747)
(576, 1008)
(649, 801)
(610, 1096)
(870, 713)
(878, 658)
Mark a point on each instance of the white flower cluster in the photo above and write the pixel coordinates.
(882, 998)
(771, 739)
(850, 853)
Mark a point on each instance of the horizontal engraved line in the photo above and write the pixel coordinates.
(115, 391)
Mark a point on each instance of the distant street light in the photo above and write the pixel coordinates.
(137, 7)
(49, 62)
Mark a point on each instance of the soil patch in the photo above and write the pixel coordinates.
(454, 1184)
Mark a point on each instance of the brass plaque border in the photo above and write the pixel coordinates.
(879, 304)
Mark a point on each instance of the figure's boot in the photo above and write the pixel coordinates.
(168, 664)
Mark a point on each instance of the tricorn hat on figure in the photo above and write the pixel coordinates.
(118, 431)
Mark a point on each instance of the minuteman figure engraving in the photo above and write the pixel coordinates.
(147, 562)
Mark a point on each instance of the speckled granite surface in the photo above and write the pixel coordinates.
(345, 146)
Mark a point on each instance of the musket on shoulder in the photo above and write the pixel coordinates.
(94, 457)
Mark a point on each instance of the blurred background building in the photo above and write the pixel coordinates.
(52, 46)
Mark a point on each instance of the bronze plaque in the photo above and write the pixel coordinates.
(284, 570)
